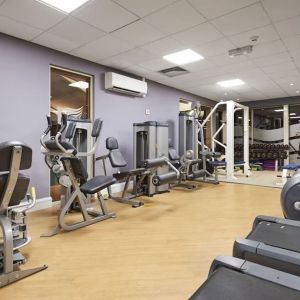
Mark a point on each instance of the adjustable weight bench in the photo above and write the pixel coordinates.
(14, 156)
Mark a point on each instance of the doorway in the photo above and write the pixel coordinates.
(70, 93)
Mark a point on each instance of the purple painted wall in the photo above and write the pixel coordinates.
(24, 81)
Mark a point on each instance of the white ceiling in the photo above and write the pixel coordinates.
(133, 35)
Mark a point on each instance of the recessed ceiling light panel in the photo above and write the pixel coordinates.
(231, 83)
(65, 6)
(183, 57)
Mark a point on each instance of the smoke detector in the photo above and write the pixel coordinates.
(240, 51)
(173, 72)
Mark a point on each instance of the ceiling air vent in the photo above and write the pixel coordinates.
(173, 72)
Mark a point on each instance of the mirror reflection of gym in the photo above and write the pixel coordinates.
(70, 94)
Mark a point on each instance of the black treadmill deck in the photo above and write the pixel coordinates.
(278, 235)
(227, 284)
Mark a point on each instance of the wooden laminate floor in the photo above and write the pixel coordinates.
(161, 251)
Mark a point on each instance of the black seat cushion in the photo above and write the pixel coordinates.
(20, 190)
(97, 184)
(173, 155)
(51, 145)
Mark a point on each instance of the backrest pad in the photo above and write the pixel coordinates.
(97, 127)
(6, 150)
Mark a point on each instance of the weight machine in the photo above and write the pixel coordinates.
(228, 126)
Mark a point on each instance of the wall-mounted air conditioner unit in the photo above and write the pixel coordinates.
(123, 84)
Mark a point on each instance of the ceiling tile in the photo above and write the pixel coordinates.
(17, 29)
(267, 49)
(105, 15)
(266, 34)
(215, 48)
(138, 33)
(210, 9)
(273, 59)
(135, 56)
(289, 27)
(225, 59)
(242, 20)
(102, 48)
(199, 66)
(144, 7)
(292, 43)
(275, 93)
(115, 62)
(277, 75)
(282, 9)
(137, 70)
(164, 46)
(198, 35)
(156, 64)
(32, 13)
(244, 66)
(55, 42)
(280, 68)
(176, 17)
(76, 31)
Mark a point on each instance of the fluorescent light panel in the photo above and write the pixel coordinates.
(292, 114)
(65, 6)
(183, 57)
(297, 117)
(80, 84)
(231, 83)
(278, 110)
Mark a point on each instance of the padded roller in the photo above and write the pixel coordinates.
(154, 162)
(158, 180)
(198, 173)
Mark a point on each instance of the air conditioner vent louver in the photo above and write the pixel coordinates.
(173, 72)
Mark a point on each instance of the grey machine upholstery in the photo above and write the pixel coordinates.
(14, 156)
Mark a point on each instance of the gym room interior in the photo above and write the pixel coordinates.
(150, 149)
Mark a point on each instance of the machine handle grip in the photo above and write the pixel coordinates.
(33, 193)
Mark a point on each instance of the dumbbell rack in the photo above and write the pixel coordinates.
(264, 153)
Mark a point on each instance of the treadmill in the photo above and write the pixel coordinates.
(236, 279)
(273, 242)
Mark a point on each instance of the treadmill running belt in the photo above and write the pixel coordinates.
(278, 235)
(226, 284)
